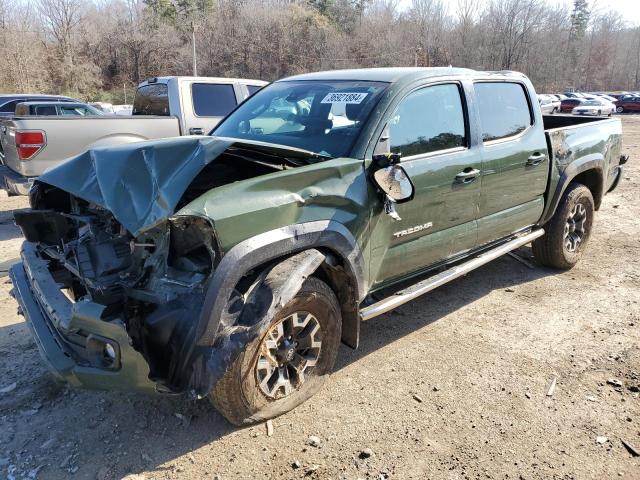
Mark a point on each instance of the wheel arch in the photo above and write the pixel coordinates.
(343, 269)
(587, 170)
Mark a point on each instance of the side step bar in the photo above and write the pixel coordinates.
(420, 288)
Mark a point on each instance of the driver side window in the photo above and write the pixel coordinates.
(428, 120)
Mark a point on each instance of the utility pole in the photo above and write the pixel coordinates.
(124, 89)
(193, 44)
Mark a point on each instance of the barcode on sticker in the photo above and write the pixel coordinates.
(344, 97)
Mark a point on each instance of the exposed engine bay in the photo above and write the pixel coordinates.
(152, 283)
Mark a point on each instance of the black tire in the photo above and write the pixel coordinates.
(238, 395)
(554, 248)
(619, 109)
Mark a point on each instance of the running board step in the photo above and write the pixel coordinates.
(420, 288)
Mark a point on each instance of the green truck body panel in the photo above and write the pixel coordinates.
(142, 185)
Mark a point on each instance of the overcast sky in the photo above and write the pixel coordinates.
(630, 9)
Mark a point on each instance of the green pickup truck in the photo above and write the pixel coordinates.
(232, 265)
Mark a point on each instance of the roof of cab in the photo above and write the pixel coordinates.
(395, 74)
(203, 79)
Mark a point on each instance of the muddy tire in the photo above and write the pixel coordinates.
(255, 387)
(568, 231)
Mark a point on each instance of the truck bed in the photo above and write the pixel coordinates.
(70, 136)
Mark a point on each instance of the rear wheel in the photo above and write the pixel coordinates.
(568, 231)
(619, 109)
(286, 366)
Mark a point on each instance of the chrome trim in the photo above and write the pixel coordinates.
(420, 288)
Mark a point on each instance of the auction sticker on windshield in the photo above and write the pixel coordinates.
(344, 97)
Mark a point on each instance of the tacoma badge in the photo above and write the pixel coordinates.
(416, 229)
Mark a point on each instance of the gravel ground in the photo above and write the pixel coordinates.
(454, 385)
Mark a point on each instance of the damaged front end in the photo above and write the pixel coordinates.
(110, 310)
(114, 283)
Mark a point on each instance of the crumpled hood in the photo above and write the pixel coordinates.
(141, 183)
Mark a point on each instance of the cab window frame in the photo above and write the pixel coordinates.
(465, 117)
(527, 96)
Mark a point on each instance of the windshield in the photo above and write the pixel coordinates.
(592, 103)
(324, 117)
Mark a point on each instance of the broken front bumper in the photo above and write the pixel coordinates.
(72, 337)
(14, 183)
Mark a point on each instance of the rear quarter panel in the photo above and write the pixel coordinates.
(575, 148)
(66, 137)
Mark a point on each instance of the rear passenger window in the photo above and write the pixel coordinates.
(504, 109)
(428, 120)
(10, 106)
(152, 99)
(212, 100)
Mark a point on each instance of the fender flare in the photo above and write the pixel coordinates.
(588, 162)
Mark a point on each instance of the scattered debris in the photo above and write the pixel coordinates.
(630, 448)
(509, 290)
(552, 387)
(269, 428)
(417, 398)
(314, 441)
(366, 453)
(615, 382)
(311, 469)
(633, 388)
(9, 388)
(436, 388)
(601, 439)
(591, 398)
(523, 261)
(296, 464)
(527, 394)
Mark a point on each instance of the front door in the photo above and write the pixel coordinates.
(429, 128)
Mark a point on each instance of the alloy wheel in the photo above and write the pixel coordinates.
(574, 229)
(287, 354)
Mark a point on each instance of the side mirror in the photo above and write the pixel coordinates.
(395, 183)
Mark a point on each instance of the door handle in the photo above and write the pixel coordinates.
(468, 175)
(196, 131)
(535, 159)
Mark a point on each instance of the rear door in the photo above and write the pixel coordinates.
(429, 127)
(514, 164)
(205, 104)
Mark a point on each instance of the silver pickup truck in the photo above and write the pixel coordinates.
(163, 107)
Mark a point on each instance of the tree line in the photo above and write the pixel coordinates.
(101, 50)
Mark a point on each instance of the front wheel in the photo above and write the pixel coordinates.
(619, 109)
(286, 366)
(568, 231)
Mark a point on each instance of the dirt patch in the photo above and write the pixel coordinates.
(451, 386)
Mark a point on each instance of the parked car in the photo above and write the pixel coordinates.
(163, 107)
(570, 103)
(574, 95)
(73, 109)
(232, 266)
(594, 107)
(560, 96)
(606, 97)
(628, 104)
(548, 104)
(8, 102)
